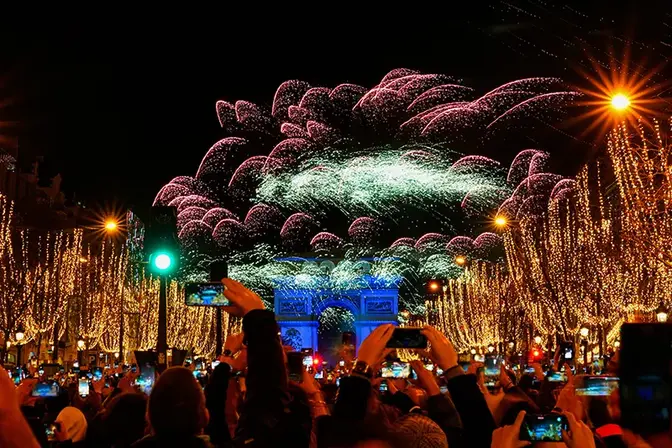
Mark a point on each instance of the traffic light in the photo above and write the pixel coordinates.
(535, 355)
(161, 244)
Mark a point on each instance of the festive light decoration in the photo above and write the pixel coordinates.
(478, 309)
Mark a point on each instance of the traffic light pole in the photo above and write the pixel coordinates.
(162, 337)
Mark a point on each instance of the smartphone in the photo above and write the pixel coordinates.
(429, 366)
(319, 375)
(83, 387)
(296, 366)
(492, 365)
(407, 338)
(97, 374)
(596, 386)
(557, 377)
(307, 360)
(214, 364)
(47, 388)
(566, 351)
(465, 366)
(383, 386)
(529, 369)
(50, 370)
(543, 428)
(341, 363)
(205, 294)
(50, 432)
(646, 377)
(17, 376)
(146, 378)
(395, 369)
(443, 389)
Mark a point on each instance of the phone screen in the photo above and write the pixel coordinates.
(492, 365)
(543, 428)
(97, 374)
(566, 351)
(557, 377)
(407, 338)
(383, 386)
(205, 294)
(83, 387)
(597, 386)
(146, 379)
(17, 376)
(295, 366)
(214, 364)
(46, 389)
(50, 432)
(395, 369)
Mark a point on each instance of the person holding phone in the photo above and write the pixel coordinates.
(14, 429)
(263, 417)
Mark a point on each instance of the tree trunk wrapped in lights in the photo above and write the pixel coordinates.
(643, 170)
(477, 309)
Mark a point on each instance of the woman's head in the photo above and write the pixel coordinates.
(177, 404)
(71, 425)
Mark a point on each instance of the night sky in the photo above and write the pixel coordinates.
(119, 106)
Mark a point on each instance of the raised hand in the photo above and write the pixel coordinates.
(582, 436)
(509, 436)
(372, 348)
(242, 299)
(426, 379)
(234, 343)
(442, 350)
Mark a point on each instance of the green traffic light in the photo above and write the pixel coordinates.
(162, 261)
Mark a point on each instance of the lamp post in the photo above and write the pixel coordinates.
(584, 331)
(661, 313)
(19, 336)
(80, 348)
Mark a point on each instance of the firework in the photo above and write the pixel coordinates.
(342, 170)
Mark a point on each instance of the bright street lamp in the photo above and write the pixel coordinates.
(460, 260)
(584, 331)
(501, 221)
(491, 348)
(661, 313)
(111, 225)
(620, 102)
(19, 336)
(81, 344)
(473, 351)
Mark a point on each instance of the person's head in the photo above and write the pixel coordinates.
(71, 425)
(125, 418)
(177, 405)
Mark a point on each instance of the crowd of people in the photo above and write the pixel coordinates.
(249, 401)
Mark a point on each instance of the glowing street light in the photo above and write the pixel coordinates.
(491, 348)
(81, 344)
(537, 339)
(661, 313)
(584, 331)
(460, 260)
(620, 102)
(473, 351)
(501, 221)
(83, 260)
(20, 335)
(111, 226)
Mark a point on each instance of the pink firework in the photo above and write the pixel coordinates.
(325, 241)
(430, 240)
